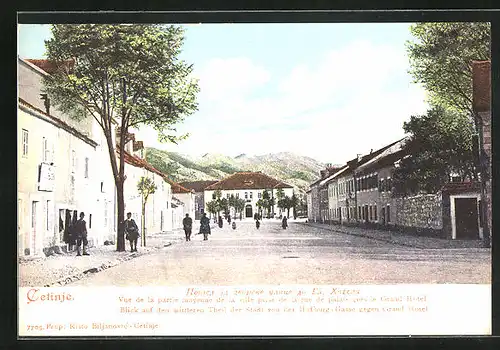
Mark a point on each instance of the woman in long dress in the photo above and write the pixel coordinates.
(205, 226)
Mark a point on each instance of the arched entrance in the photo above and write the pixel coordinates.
(248, 211)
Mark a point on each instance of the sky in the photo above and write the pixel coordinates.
(324, 90)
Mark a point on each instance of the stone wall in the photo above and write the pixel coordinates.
(421, 211)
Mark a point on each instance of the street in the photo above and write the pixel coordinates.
(298, 255)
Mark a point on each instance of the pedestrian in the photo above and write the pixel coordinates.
(284, 223)
(221, 222)
(229, 219)
(234, 225)
(257, 223)
(205, 226)
(131, 232)
(187, 222)
(80, 230)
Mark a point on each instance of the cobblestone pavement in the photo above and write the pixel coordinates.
(299, 255)
(61, 269)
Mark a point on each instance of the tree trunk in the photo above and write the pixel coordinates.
(143, 225)
(120, 239)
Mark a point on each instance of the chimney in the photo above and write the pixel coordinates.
(358, 157)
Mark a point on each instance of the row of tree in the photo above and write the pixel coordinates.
(223, 205)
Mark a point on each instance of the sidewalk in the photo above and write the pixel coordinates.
(401, 238)
(61, 269)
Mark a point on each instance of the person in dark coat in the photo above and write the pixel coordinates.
(284, 223)
(229, 219)
(80, 231)
(187, 222)
(257, 223)
(205, 226)
(221, 222)
(131, 232)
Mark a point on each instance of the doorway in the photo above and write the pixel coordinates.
(466, 218)
(248, 211)
(34, 224)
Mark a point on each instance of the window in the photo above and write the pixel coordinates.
(102, 187)
(371, 213)
(251, 195)
(388, 211)
(375, 213)
(25, 143)
(259, 195)
(213, 195)
(227, 196)
(86, 167)
(73, 161)
(237, 195)
(45, 150)
(246, 195)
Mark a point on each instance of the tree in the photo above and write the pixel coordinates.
(129, 75)
(146, 187)
(441, 56)
(260, 204)
(294, 201)
(439, 144)
(212, 207)
(240, 205)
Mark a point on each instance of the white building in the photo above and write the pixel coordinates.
(187, 197)
(249, 186)
(62, 169)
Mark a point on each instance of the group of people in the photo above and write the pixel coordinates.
(187, 224)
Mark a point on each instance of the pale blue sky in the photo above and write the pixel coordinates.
(328, 91)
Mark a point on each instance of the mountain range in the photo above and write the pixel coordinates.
(298, 171)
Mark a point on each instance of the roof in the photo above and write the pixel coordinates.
(333, 176)
(198, 186)
(461, 187)
(50, 66)
(141, 163)
(385, 158)
(481, 86)
(58, 122)
(247, 180)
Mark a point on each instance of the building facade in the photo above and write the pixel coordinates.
(199, 194)
(59, 171)
(249, 186)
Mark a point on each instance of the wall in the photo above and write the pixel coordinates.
(421, 211)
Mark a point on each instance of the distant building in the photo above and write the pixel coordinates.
(249, 186)
(199, 193)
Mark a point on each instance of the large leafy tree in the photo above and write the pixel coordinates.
(439, 145)
(124, 76)
(441, 56)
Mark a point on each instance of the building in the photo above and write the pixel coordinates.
(199, 194)
(59, 169)
(481, 102)
(360, 193)
(249, 186)
(186, 197)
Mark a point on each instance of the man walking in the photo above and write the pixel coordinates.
(132, 232)
(187, 222)
(81, 235)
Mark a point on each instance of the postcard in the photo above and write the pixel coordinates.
(243, 179)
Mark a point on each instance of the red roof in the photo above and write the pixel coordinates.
(248, 180)
(481, 86)
(198, 186)
(51, 66)
(141, 163)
